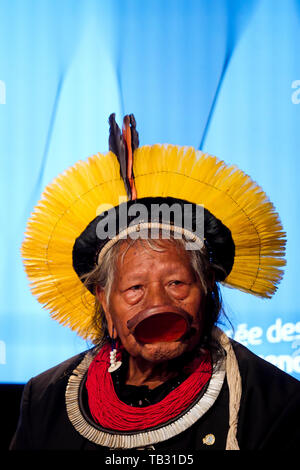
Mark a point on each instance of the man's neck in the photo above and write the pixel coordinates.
(142, 372)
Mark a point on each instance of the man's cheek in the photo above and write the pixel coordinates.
(121, 326)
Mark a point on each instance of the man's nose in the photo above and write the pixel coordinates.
(157, 294)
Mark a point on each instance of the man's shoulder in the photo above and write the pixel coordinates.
(256, 370)
(60, 372)
(269, 406)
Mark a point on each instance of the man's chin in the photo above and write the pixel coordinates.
(162, 351)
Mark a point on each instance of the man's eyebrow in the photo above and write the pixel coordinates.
(172, 267)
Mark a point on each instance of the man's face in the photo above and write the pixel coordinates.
(146, 278)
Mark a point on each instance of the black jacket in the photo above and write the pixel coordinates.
(269, 416)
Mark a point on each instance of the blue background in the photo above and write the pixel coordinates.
(220, 75)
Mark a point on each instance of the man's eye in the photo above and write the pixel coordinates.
(135, 287)
(176, 283)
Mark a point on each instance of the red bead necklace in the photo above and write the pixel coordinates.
(111, 413)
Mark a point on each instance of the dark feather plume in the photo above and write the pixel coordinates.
(134, 133)
(118, 147)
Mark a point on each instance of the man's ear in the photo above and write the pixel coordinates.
(101, 297)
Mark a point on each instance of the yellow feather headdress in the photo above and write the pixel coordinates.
(79, 194)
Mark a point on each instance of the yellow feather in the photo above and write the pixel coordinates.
(83, 191)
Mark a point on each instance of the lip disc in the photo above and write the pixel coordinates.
(168, 326)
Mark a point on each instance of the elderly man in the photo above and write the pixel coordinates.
(145, 289)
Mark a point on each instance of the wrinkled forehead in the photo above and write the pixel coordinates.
(137, 251)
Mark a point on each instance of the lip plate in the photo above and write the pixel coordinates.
(162, 323)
